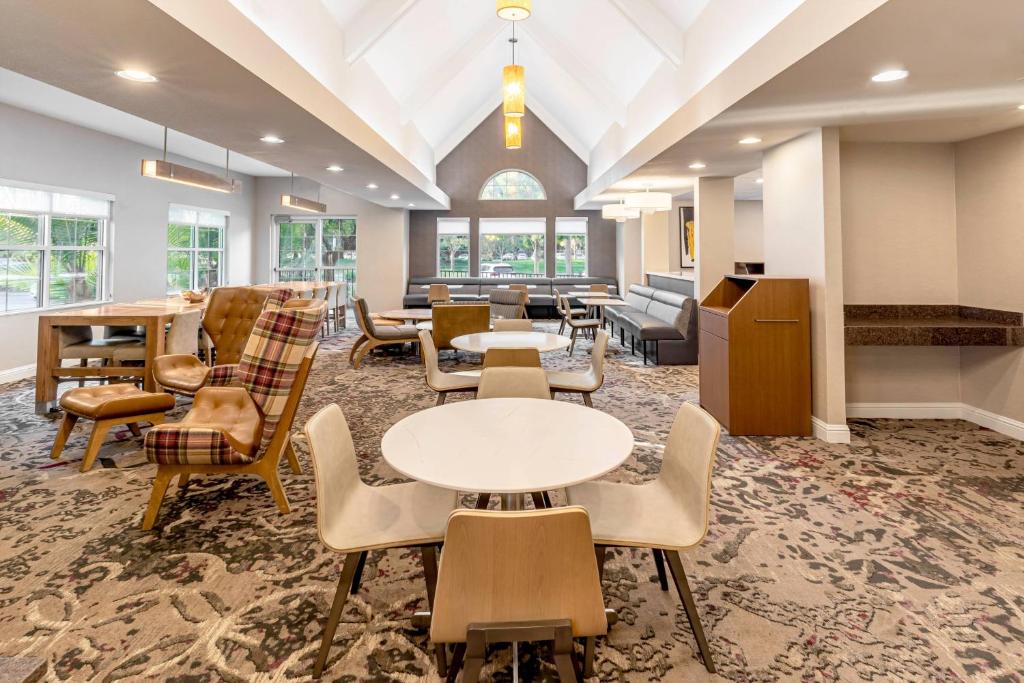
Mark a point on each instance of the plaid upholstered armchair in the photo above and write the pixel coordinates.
(243, 428)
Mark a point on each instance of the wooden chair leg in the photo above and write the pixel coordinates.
(156, 498)
(293, 460)
(659, 564)
(361, 353)
(359, 342)
(538, 500)
(340, 595)
(183, 480)
(357, 580)
(547, 500)
(277, 491)
(564, 660)
(601, 552)
(84, 363)
(572, 344)
(99, 433)
(588, 656)
(676, 565)
(587, 401)
(429, 553)
(441, 398)
(482, 499)
(66, 425)
(476, 653)
(457, 656)
(133, 427)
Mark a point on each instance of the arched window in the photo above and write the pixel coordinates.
(512, 184)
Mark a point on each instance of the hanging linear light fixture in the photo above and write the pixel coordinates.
(513, 84)
(291, 201)
(514, 10)
(620, 213)
(513, 132)
(161, 169)
(649, 202)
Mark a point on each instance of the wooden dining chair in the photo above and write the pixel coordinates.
(565, 311)
(513, 382)
(518, 576)
(353, 518)
(528, 357)
(588, 325)
(438, 293)
(583, 383)
(668, 515)
(444, 383)
(454, 320)
(517, 325)
(375, 334)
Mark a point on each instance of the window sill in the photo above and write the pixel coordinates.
(51, 309)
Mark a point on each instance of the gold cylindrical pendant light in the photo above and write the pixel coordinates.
(514, 10)
(513, 90)
(513, 132)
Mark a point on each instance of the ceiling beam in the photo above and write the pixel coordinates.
(656, 28)
(449, 66)
(600, 88)
(372, 23)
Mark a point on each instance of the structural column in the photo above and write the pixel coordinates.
(803, 237)
(714, 214)
(655, 241)
(628, 254)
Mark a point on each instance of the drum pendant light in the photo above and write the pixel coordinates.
(649, 202)
(513, 132)
(514, 10)
(513, 84)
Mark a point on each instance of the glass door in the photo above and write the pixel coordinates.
(296, 251)
(315, 249)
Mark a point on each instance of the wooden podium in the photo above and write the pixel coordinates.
(755, 355)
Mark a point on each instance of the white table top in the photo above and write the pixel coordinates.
(507, 445)
(449, 286)
(506, 287)
(428, 325)
(602, 302)
(480, 342)
(583, 291)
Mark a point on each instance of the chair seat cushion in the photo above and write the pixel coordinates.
(223, 428)
(644, 516)
(181, 372)
(396, 332)
(386, 516)
(560, 380)
(113, 401)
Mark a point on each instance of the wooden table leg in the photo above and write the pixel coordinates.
(47, 351)
(154, 347)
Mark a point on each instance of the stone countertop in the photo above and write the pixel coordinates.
(931, 325)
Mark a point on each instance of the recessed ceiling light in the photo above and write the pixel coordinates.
(890, 75)
(750, 140)
(759, 181)
(395, 196)
(371, 186)
(1020, 106)
(137, 76)
(411, 204)
(334, 168)
(272, 139)
(698, 165)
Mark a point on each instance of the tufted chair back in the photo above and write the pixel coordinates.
(230, 315)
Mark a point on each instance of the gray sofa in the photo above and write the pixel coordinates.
(542, 299)
(667, 321)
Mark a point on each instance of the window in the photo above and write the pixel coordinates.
(512, 247)
(512, 184)
(571, 247)
(52, 248)
(453, 247)
(311, 249)
(195, 248)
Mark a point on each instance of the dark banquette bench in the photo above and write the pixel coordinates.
(542, 298)
(667, 320)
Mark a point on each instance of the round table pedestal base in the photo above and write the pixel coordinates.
(513, 501)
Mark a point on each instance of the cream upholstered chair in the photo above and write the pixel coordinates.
(507, 303)
(517, 325)
(444, 383)
(527, 357)
(375, 335)
(577, 324)
(508, 576)
(182, 337)
(669, 514)
(353, 518)
(438, 294)
(584, 383)
(513, 382)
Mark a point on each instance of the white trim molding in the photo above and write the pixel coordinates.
(939, 411)
(14, 374)
(830, 433)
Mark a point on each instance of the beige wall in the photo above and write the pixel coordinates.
(655, 238)
(749, 231)
(714, 232)
(629, 258)
(382, 237)
(803, 238)
(899, 247)
(990, 240)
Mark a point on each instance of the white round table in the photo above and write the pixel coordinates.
(481, 342)
(509, 446)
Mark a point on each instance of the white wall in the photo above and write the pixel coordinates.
(42, 150)
(748, 231)
(803, 238)
(382, 237)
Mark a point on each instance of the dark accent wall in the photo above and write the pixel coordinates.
(463, 172)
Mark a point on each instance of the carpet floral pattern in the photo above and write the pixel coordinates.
(897, 557)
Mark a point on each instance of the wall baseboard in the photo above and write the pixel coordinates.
(939, 411)
(830, 433)
(14, 374)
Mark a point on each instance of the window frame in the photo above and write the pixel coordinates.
(586, 244)
(318, 268)
(543, 191)
(469, 246)
(543, 232)
(194, 250)
(46, 250)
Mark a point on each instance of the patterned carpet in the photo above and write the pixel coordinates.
(898, 557)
